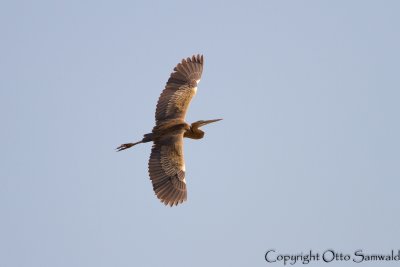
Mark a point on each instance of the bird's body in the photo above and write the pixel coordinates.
(166, 164)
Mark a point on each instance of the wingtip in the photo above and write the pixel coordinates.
(199, 58)
(171, 202)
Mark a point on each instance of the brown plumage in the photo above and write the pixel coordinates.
(166, 164)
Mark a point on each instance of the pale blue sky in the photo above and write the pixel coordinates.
(307, 156)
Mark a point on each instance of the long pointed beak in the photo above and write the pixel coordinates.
(209, 121)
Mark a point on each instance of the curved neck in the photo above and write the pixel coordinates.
(194, 133)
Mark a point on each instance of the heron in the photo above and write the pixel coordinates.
(166, 164)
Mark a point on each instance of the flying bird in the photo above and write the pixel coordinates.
(166, 163)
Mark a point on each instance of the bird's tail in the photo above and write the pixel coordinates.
(147, 137)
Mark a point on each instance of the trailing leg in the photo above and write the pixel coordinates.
(147, 138)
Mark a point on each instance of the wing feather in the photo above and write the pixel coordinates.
(180, 89)
(167, 169)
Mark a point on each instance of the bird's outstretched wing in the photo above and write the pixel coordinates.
(179, 90)
(167, 169)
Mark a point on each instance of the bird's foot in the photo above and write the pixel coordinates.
(124, 146)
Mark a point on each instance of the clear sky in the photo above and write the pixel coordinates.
(307, 156)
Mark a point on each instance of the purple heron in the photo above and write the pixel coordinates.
(166, 164)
